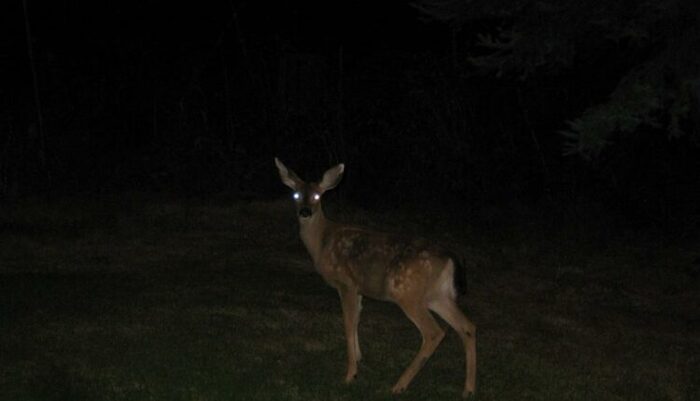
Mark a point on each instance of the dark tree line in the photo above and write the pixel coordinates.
(482, 102)
(631, 70)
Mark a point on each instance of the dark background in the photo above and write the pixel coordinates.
(471, 103)
(148, 249)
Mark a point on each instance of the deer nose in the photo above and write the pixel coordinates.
(305, 212)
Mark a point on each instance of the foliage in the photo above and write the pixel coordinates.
(471, 115)
(628, 108)
(651, 46)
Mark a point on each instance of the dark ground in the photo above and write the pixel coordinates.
(141, 297)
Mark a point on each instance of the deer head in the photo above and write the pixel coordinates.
(307, 196)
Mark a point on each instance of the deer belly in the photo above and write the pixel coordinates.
(371, 280)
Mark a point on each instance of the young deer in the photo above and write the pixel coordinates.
(356, 261)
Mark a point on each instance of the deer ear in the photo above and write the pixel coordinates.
(288, 177)
(332, 177)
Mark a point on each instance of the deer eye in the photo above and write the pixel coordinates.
(296, 195)
(317, 196)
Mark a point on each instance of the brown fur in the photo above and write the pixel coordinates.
(414, 274)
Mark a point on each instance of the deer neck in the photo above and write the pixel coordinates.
(311, 230)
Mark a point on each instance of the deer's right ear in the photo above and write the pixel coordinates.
(332, 177)
(287, 176)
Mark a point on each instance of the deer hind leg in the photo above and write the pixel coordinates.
(432, 336)
(448, 310)
(351, 302)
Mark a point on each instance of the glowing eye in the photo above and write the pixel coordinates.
(317, 196)
(296, 195)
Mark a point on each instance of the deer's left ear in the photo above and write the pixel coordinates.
(288, 177)
(332, 177)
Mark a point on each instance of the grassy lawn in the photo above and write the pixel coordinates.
(136, 298)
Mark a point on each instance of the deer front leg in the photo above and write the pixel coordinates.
(351, 303)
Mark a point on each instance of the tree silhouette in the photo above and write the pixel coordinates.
(652, 45)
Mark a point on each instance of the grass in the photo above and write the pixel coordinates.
(138, 298)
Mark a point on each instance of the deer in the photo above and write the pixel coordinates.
(417, 275)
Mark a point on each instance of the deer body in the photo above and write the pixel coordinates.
(414, 274)
(378, 265)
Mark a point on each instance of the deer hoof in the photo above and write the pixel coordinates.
(397, 389)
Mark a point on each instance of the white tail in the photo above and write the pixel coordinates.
(357, 261)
